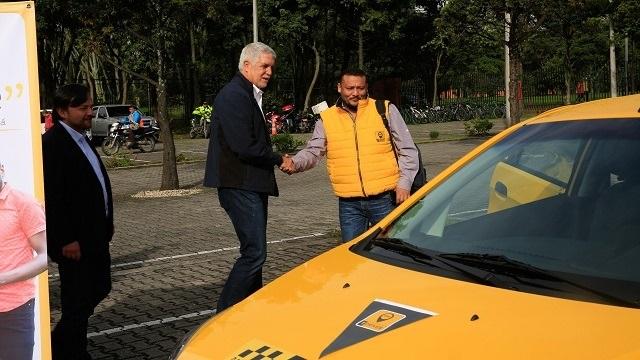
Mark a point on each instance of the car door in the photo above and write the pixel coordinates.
(100, 124)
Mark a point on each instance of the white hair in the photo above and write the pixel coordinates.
(252, 51)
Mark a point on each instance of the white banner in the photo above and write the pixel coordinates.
(20, 138)
(16, 148)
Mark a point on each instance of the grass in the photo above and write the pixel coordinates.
(119, 160)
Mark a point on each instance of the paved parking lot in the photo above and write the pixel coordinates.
(171, 255)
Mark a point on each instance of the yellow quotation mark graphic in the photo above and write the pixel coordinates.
(9, 90)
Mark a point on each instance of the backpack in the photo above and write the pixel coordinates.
(421, 175)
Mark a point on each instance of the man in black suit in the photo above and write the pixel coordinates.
(240, 164)
(79, 212)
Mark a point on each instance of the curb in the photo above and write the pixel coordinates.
(154, 165)
(460, 138)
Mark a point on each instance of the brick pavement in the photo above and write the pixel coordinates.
(170, 267)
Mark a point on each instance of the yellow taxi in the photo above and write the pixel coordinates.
(526, 248)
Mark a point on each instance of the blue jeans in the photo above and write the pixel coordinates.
(358, 214)
(16, 332)
(248, 213)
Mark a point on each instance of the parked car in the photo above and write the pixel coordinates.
(105, 115)
(527, 247)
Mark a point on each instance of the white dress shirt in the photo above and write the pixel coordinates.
(257, 94)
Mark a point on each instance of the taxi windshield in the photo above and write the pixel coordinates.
(562, 197)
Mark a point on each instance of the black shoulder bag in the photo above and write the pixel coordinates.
(421, 175)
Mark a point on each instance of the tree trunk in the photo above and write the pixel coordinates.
(125, 86)
(516, 99)
(633, 68)
(568, 73)
(313, 81)
(194, 68)
(435, 78)
(507, 69)
(612, 60)
(568, 81)
(360, 50)
(169, 169)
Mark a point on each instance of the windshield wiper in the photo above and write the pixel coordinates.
(504, 265)
(420, 255)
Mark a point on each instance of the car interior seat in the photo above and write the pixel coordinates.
(616, 218)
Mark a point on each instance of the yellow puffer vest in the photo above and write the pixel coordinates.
(360, 159)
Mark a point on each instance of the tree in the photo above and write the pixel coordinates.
(567, 24)
(57, 62)
(487, 19)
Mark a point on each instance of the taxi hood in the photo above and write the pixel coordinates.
(341, 305)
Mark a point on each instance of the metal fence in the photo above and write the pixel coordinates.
(481, 94)
(540, 90)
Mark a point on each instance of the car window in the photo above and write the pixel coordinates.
(102, 112)
(552, 160)
(526, 173)
(559, 196)
(115, 111)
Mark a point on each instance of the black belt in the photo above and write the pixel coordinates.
(371, 197)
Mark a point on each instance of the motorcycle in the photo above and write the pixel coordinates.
(199, 127)
(306, 123)
(144, 140)
(284, 121)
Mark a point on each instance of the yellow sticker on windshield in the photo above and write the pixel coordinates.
(380, 320)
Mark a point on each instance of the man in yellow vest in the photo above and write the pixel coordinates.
(371, 170)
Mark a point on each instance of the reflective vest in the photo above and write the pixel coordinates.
(360, 159)
(204, 111)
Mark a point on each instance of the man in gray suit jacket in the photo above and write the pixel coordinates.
(79, 212)
(240, 164)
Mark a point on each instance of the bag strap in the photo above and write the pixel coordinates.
(380, 106)
(382, 111)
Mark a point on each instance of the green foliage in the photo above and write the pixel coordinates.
(194, 45)
(478, 127)
(285, 143)
(119, 160)
(627, 19)
(433, 134)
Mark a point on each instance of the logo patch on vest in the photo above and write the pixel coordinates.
(379, 136)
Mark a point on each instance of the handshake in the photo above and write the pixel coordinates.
(287, 165)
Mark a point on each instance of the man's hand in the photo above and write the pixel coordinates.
(72, 251)
(401, 195)
(287, 165)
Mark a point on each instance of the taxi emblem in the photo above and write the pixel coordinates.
(380, 320)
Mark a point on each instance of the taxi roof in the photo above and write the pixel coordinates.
(611, 108)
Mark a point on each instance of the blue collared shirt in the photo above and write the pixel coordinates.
(81, 140)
